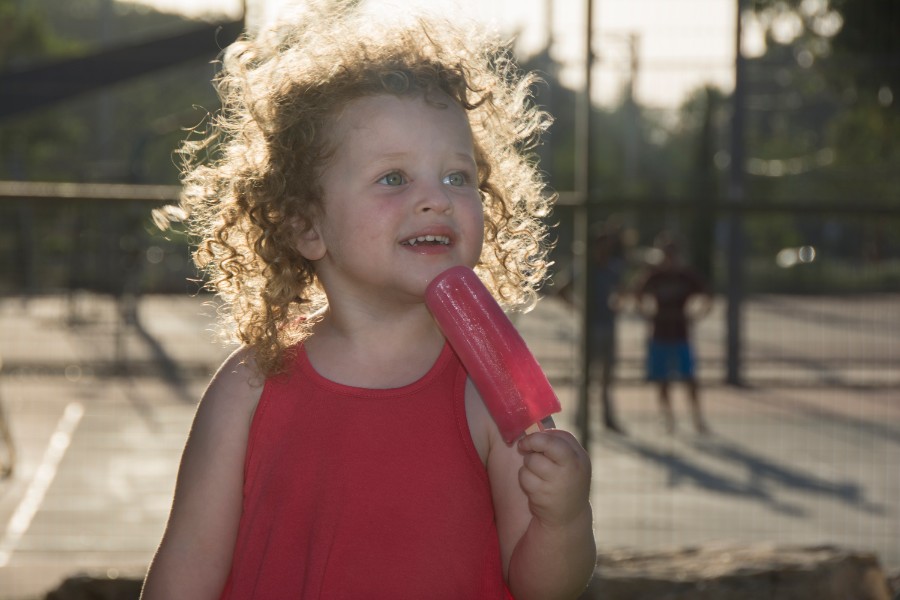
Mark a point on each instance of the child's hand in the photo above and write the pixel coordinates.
(556, 477)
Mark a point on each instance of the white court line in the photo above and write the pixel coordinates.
(43, 477)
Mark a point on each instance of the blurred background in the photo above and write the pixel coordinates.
(763, 133)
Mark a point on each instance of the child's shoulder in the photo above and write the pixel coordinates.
(238, 381)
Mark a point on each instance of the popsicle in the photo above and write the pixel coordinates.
(503, 369)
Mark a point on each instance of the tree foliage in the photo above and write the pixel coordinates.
(823, 122)
(125, 132)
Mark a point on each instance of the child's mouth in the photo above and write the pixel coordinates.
(430, 240)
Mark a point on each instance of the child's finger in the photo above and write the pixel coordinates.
(530, 481)
(557, 445)
(540, 465)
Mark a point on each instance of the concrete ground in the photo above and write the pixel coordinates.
(807, 453)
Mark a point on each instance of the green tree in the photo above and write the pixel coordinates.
(125, 132)
(842, 69)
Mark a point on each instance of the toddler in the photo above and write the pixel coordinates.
(342, 452)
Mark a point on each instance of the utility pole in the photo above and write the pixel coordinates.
(549, 21)
(631, 122)
(583, 187)
(735, 290)
(631, 40)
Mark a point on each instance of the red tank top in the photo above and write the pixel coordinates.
(357, 493)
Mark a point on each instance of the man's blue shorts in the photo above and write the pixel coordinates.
(668, 360)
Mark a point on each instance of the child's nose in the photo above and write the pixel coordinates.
(434, 197)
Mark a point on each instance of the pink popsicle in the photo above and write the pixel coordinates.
(509, 379)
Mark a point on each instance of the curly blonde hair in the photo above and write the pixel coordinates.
(252, 180)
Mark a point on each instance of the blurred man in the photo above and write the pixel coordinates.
(608, 265)
(671, 294)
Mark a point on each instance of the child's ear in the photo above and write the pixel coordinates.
(309, 243)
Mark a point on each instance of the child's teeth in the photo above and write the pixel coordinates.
(428, 238)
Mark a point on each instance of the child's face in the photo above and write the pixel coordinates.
(400, 197)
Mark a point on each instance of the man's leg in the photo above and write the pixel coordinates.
(665, 406)
(687, 370)
(696, 410)
(658, 372)
(607, 370)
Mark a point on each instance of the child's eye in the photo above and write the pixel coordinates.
(456, 179)
(393, 178)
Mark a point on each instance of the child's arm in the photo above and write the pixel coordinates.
(541, 488)
(194, 557)
(555, 557)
